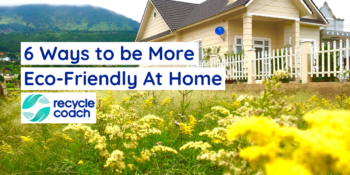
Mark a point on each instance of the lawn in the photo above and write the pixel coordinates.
(13, 89)
(185, 132)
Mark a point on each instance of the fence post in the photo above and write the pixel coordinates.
(211, 61)
(305, 62)
(250, 65)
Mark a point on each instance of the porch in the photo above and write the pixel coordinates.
(258, 45)
(262, 33)
(305, 64)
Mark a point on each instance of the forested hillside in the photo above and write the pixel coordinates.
(11, 42)
(45, 23)
(62, 18)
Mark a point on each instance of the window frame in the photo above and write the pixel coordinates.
(154, 15)
(263, 45)
(201, 52)
(236, 45)
(254, 45)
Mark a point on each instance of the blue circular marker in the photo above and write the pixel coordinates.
(219, 30)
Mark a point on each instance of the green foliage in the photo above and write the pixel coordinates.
(60, 18)
(1, 78)
(53, 153)
(10, 85)
(211, 51)
(12, 42)
(12, 56)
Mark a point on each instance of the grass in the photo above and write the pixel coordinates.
(51, 153)
(13, 89)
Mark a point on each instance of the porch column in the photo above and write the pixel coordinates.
(247, 31)
(295, 33)
(177, 37)
(248, 45)
(305, 62)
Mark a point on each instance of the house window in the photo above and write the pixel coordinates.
(154, 15)
(258, 42)
(261, 45)
(313, 42)
(267, 46)
(238, 47)
(200, 49)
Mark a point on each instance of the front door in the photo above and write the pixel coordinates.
(262, 48)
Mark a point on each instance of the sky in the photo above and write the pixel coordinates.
(134, 8)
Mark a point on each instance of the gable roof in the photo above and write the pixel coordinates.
(156, 36)
(330, 10)
(308, 20)
(180, 14)
(210, 8)
(173, 12)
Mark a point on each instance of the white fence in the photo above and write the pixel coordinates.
(325, 61)
(235, 66)
(202, 64)
(330, 59)
(264, 64)
(288, 59)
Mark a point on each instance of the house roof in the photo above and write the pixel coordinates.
(308, 20)
(180, 14)
(210, 8)
(330, 10)
(156, 36)
(6, 59)
(173, 12)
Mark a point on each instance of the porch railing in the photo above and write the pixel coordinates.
(235, 66)
(330, 60)
(325, 61)
(288, 59)
(202, 64)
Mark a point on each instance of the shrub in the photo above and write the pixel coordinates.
(10, 85)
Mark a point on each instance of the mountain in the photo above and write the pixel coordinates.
(46, 23)
(33, 18)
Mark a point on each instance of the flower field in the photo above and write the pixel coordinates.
(186, 132)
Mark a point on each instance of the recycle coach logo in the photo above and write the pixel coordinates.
(30, 102)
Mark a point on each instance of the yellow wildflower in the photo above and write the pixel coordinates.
(116, 161)
(166, 101)
(322, 148)
(285, 167)
(185, 129)
(148, 102)
(131, 166)
(234, 96)
(5, 148)
(92, 136)
(80, 162)
(203, 146)
(27, 139)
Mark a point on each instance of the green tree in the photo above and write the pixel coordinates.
(12, 56)
(1, 78)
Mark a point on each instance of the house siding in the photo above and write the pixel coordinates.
(283, 8)
(168, 39)
(310, 32)
(206, 32)
(154, 26)
(263, 29)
